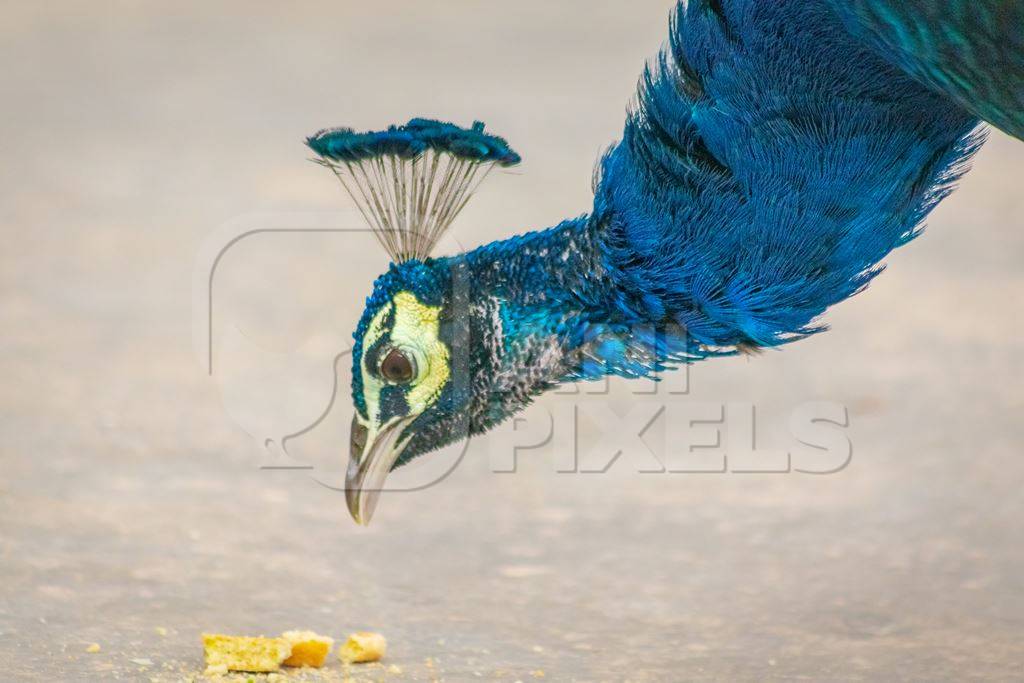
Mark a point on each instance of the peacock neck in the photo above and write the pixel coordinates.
(550, 269)
(528, 302)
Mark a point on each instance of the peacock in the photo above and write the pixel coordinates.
(776, 153)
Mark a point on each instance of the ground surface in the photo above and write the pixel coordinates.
(133, 510)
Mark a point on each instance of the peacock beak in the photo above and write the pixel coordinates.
(372, 454)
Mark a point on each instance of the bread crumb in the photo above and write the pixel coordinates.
(363, 647)
(93, 647)
(239, 653)
(394, 669)
(160, 631)
(308, 648)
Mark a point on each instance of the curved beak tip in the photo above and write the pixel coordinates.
(361, 502)
(371, 457)
(352, 499)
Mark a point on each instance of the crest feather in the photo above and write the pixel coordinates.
(411, 181)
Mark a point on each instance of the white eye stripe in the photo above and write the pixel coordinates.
(417, 329)
(414, 330)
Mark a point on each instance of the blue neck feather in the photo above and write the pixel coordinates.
(555, 314)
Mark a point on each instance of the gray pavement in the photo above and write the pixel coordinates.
(134, 512)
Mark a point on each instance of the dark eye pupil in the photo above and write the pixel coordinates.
(396, 367)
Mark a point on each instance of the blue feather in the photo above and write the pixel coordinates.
(411, 140)
(771, 164)
(970, 50)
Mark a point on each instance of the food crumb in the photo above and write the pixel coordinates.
(308, 648)
(539, 673)
(93, 647)
(239, 653)
(394, 669)
(160, 631)
(362, 647)
(141, 661)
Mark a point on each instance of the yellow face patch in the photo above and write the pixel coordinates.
(416, 331)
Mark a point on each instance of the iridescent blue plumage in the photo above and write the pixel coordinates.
(971, 50)
(411, 140)
(771, 163)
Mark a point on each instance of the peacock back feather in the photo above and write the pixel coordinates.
(970, 50)
(772, 163)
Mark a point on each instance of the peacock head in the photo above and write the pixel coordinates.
(410, 376)
(406, 372)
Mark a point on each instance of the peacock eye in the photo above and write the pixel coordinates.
(397, 367)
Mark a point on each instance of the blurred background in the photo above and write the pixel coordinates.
(137, 509)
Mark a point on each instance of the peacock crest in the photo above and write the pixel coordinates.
(411, 181)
